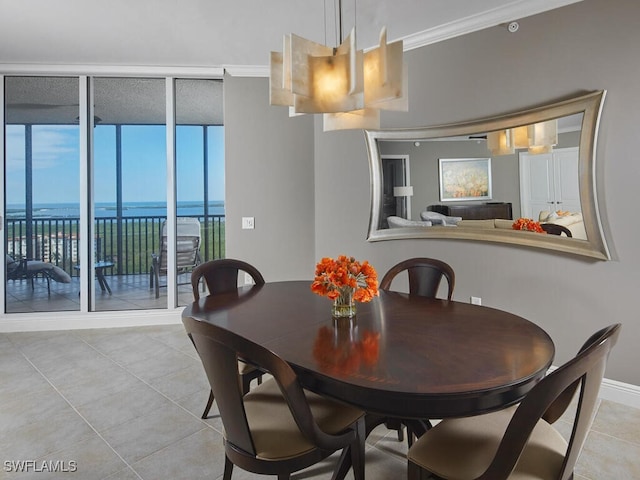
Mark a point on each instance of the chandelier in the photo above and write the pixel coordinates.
(347, 85)
(537, 138)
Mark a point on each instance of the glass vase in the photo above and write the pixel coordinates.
(344, 306)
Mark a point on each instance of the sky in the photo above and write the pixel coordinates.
(56, 164)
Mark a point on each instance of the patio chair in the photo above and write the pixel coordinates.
(30, 269)
(187, 251)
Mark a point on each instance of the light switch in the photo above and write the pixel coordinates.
(248, 223)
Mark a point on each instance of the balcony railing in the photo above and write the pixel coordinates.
(128, 242)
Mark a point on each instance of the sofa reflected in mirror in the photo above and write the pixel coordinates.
(508, 179)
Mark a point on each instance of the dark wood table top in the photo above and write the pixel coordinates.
(406, 356)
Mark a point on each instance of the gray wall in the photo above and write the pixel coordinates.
(588, 46)
(269, 176)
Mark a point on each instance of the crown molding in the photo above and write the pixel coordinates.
(110, 70)
(489, 18)
(247, 70)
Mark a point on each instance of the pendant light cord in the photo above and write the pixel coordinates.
(340, 22)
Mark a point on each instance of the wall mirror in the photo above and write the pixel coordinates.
(475, 180)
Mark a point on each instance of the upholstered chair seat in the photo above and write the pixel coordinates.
(477, 443)
(274, 431)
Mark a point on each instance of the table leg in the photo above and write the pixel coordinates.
(102, 281)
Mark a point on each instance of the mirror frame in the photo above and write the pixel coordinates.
(590, 105)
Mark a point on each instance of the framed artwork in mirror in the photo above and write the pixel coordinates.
(464, 179)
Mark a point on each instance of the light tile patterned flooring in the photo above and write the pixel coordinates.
(126, 403)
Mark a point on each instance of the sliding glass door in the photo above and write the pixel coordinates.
(155, 162)
(199, 177)
(41, 193)
(129, 189)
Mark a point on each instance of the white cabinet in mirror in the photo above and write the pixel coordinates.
(525, 178)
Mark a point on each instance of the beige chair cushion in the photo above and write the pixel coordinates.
(275, 433)
(488, 223)
(462, 449)
(503, 223)
(245, 367)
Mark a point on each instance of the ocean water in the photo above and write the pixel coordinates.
(103, 210)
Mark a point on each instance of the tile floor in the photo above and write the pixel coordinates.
(125, 404)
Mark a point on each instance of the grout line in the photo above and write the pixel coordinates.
(148, 384)
(123, 367)
(205, 424)
(80, 415)
(612, 437)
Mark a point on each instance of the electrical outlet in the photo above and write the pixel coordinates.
(248, 279)
(476, 301)
(248, 223)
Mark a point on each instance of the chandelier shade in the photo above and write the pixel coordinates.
(543, 136)
(328, 83)
(500, 142)
(386, 78)
(347, 85)
(537, 138)
(367, 118)
(520, 136)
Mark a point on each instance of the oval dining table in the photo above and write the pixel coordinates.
(402, 356)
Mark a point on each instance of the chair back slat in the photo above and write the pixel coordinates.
(424, 281)
(586, 370)
(221, 367)
(220, 350)
(221, 275)
(425, 276)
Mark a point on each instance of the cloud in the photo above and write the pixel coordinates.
(52, 146)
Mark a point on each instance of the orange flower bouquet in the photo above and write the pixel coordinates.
(345, 281)
(527, 224)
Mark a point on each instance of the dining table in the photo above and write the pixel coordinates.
(401, 356)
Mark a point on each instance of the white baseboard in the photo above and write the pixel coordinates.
(624, 393)
(619, 392)
(30, 322)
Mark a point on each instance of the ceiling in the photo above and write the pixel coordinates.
(198, 37)
(227, 33)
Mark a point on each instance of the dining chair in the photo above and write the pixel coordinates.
(519, 442)
(221, 276)
(425, 275)
(277, 428)
(554, 229)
